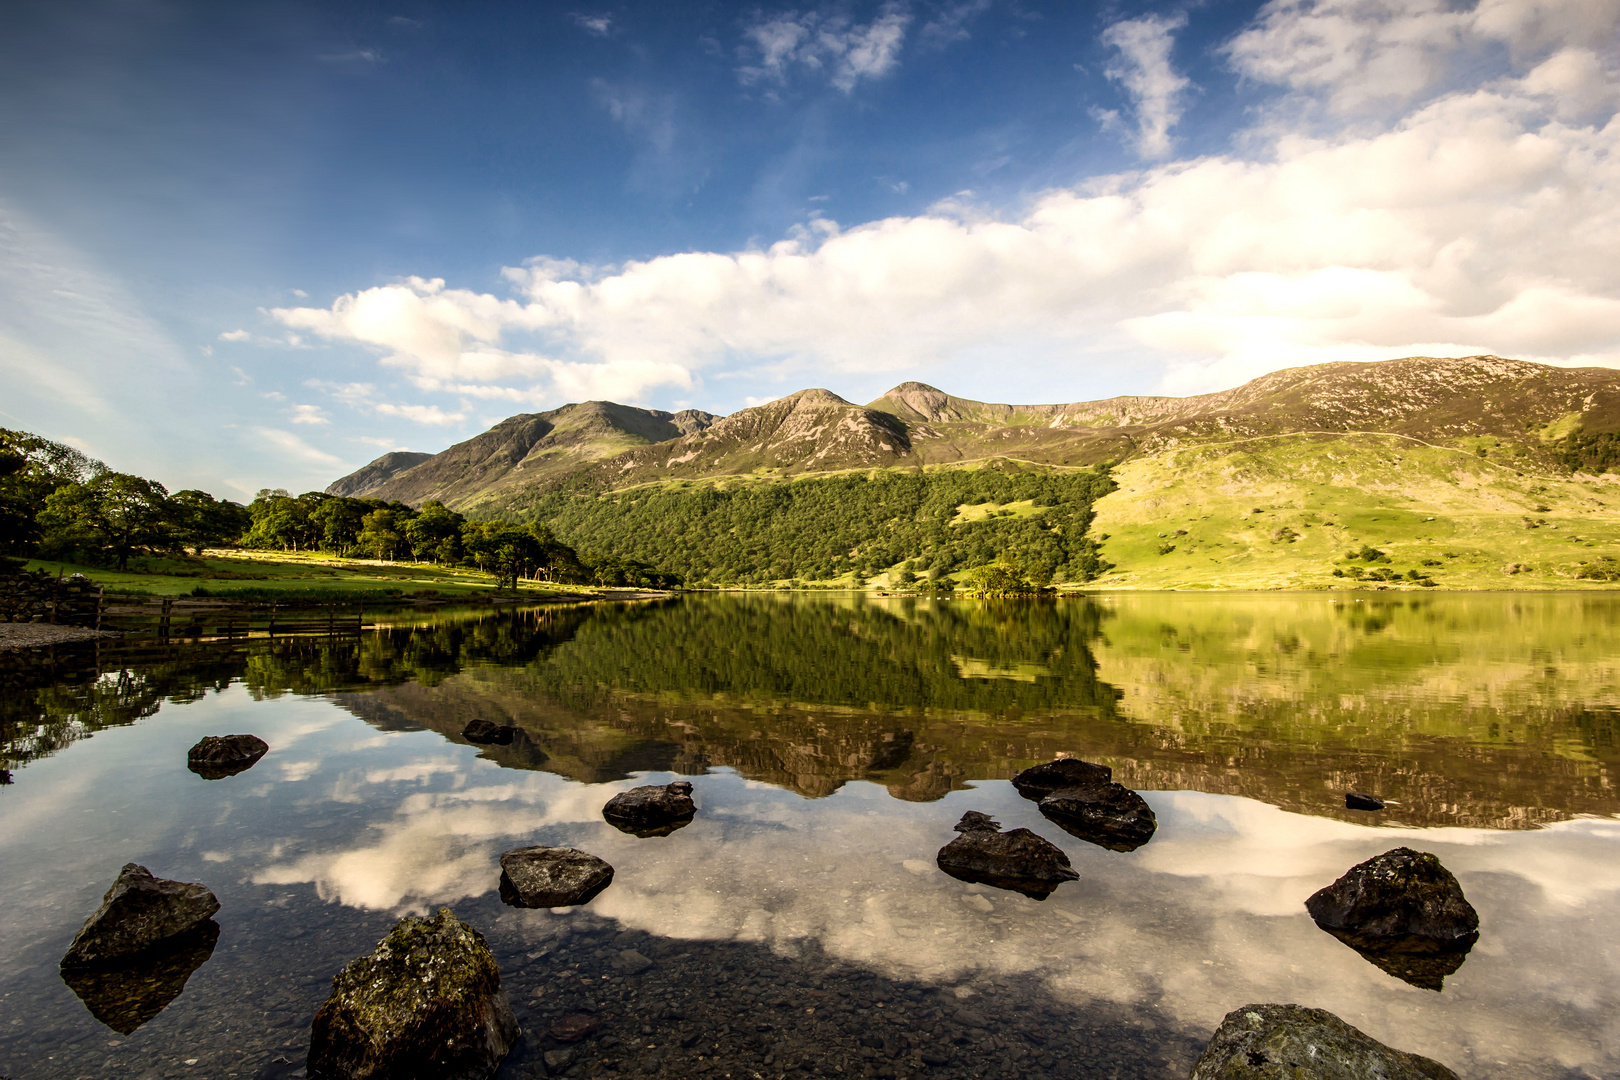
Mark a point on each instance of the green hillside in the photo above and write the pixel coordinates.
(1284, 512)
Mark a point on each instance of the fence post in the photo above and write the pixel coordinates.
(272, 629)
(101, 602)
(163, 620)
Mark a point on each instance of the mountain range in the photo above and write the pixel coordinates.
(614, 446)
(1475, 423)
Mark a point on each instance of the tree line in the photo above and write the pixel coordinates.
(57, 503)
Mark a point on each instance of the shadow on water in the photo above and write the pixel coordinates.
(1259, 698)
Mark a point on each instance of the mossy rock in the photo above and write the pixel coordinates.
(426, 1004)
(1287, 1042)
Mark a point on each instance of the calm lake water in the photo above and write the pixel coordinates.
(799, 926)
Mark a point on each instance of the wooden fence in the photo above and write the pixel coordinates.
(201, 619)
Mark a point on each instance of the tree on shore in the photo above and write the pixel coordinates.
(115, 512)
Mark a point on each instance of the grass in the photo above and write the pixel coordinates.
(1282, 513)
(300, 576)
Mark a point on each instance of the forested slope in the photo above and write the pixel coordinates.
(850, 526)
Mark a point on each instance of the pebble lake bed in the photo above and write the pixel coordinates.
(799, 925)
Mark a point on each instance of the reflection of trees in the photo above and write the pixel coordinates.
(810, 692)
(49, 699)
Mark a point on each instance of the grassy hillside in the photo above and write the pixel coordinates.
(1282, 513)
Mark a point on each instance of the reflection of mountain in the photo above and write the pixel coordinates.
(810, 693)
(1473, 711)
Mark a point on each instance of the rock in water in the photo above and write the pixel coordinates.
(1400, 901)
(427, 1003)
(127, 995)
(1109, 815)
(488, 733)
(138, 913)
(1017, 860)
(1039, 781)
(219, 756)
(1355, 800)
(655, 810)
(543, 877)
(1286, 1042)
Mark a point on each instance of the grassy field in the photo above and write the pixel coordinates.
(281, 575)
(1282, 513)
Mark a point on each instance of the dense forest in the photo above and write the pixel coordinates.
(826, 528)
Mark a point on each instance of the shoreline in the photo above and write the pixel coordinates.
(32, 635)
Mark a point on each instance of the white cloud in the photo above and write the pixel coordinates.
(236, 335)
(291, 446)
(422, 414)
(595, 25)
(951, 24)
(309, 414)
(1361, 52)
(831, 45)
(1145, 72)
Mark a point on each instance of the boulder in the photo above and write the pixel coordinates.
(427, 1002)
(486, 733)
(545, 877)
(1039, 781)
(219, 756)
(654, 810)
(139, 913)
(1017, 860)
(1355, 800)
(1285, 1042)
(1402, 901)
(1109, 815)
(126, 995)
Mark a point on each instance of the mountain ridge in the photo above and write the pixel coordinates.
(604, 446)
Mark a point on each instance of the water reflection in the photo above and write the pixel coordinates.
(1487, 711)
(128, 995)
(344, 826)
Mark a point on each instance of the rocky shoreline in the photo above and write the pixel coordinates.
(32, 635)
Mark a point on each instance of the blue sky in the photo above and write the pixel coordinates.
(258, 244)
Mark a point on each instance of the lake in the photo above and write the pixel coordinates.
(799, 925)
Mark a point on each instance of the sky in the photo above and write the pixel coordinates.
(260, 243)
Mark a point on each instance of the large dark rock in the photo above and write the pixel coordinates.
(1355, 800)
(126, 995)
(139, 913)
(219, 756)
(427, 1003)
(1290, 1042)
(1109, 815)
(486, 732)
(1039, 781)
(1017, 860)
(545, 877)
(654, 810)
(1400, 901)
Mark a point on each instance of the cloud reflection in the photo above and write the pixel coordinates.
(1208, 916)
